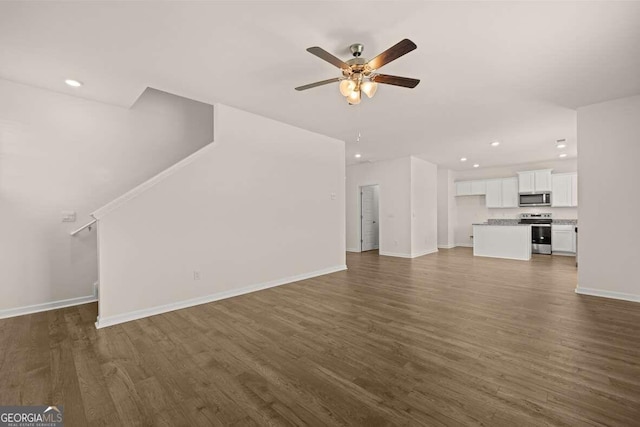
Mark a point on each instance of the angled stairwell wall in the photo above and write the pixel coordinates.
(261, 206)
(60, 152)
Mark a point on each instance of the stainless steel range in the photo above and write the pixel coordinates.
(540, 231)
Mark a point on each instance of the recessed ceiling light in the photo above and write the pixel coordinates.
(561, 143)
(476, 165)
(357, 156)
(73, 83)
(563, 155)
(463, 159)
(495, 143)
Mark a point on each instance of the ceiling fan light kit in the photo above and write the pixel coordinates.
(369, 88)
(347, 86)
(354, 97)
(358, 74)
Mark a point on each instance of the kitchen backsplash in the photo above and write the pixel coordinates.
(559, 213)
(503, 221)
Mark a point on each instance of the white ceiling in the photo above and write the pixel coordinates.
(507, 71)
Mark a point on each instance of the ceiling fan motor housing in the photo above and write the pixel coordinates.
(356, 49)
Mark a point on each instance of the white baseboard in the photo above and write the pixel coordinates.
(608, 294)
(446, 246)
(353, 250)
(564, 253)
(503, 257)
(152, 311)
(405, 255)
(395, 254)
(423, 253)
(37, 308)
(465, 245)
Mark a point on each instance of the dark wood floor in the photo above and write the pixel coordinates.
(445, 339)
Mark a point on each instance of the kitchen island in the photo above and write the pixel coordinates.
(508, 240)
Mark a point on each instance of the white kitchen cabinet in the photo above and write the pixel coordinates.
(564, 190)
(542, 180)
(478, 188)
(538, 181)
(510, 193)
(526, 182)
(561, 190)
(494, 193)
(502, 193)
(563, 238)
(470, 188)
(463, 188)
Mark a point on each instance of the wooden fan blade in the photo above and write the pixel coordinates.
(320, 83)
(323, 54)
(395, 80)
(391, 54)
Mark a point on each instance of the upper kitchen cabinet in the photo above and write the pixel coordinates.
(502, 193)
(478, 188)
(564, 190)
(543, 180)
(470, 188)
(494, 193)
(527, 182)
(510, 193)
(538, 181)
(463, 188)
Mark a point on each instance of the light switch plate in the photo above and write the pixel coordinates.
(68, 216)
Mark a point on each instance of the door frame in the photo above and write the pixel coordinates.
(361, 216)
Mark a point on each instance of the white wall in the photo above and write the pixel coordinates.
(469, 210)
(472, 209)
(447, 215)
(407, 205)
(608, 235)
(262, 205)
(59, 152)
(394, 180)
(424, 207)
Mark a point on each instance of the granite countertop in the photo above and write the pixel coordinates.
(512, 222)
(565, 221)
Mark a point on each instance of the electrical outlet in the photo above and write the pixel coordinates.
(196, 275)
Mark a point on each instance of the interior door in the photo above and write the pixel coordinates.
(369, 217)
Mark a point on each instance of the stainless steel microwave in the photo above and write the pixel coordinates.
(536, 199)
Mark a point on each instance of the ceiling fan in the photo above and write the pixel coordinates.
(358, 74)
